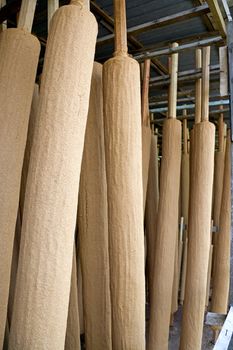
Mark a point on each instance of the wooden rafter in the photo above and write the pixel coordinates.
(217, 17)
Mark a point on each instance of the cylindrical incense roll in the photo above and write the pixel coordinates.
(93, 225)
(46, 249)
(166, 235)
(18, 63)
(146, 149)
(199, 235)
(122, 123)
(152, 202)
(72, 341)
(125, 207)
(221, 278)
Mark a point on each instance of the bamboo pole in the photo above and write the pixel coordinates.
(221, 278)
(18, 63)
(146, 130)
(167, 225)
(152, 202)
(45, 261)
(122, 123)
(202, 157)
(198, 89)
(93, 225)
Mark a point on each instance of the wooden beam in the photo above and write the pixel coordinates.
(183, 47)
(217, 17)
(161, 22)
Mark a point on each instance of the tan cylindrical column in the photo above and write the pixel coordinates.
(72, 341)
(221, 278)
(165, 244)
(122, 123)
(218, 181)
(167, 222)
(146, 130)
(18, 63)
(46, 250)
(185, 176)
(202, 158)
(93, 225)
(152, 202)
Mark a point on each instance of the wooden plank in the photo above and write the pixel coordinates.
(217, 17)
(225, 335)
(26, 14)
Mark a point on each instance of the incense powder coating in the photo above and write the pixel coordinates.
(45, 261)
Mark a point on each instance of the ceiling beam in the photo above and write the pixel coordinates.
(169, 50)
(161, 22)
(217, 17)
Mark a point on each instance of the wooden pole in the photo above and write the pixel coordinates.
(53, 5)
(185, 174)
(202, 157)
(18, 63)
(122, 123)
(93, 225)
(47, 238)
(167, 225)
(152, 202)
(198, 89)
(221, 278)
(173, 84)
(205, 83)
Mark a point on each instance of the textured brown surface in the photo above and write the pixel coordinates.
(93, 225)
(221, 278)
(146, 149)
(166, 235)
(202, 157)
(152, 202)
(122, 122)
(72, 341)
(185, 187)
(18, 63)
(46, 250)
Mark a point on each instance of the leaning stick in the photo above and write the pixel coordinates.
(93, 225)
(202, 157)
(167, 223)
(146, 130)
(47, 238)
(18, 63)
(221, 277)
(122, 123)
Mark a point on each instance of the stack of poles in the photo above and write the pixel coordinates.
(49, 218)
(202, 170)
(122, 124)
(152, 202)
(146, 130)
(18, 64)
(93, 225)
(185, 179)
(198, 106)
(167, 223)
(221, 276)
